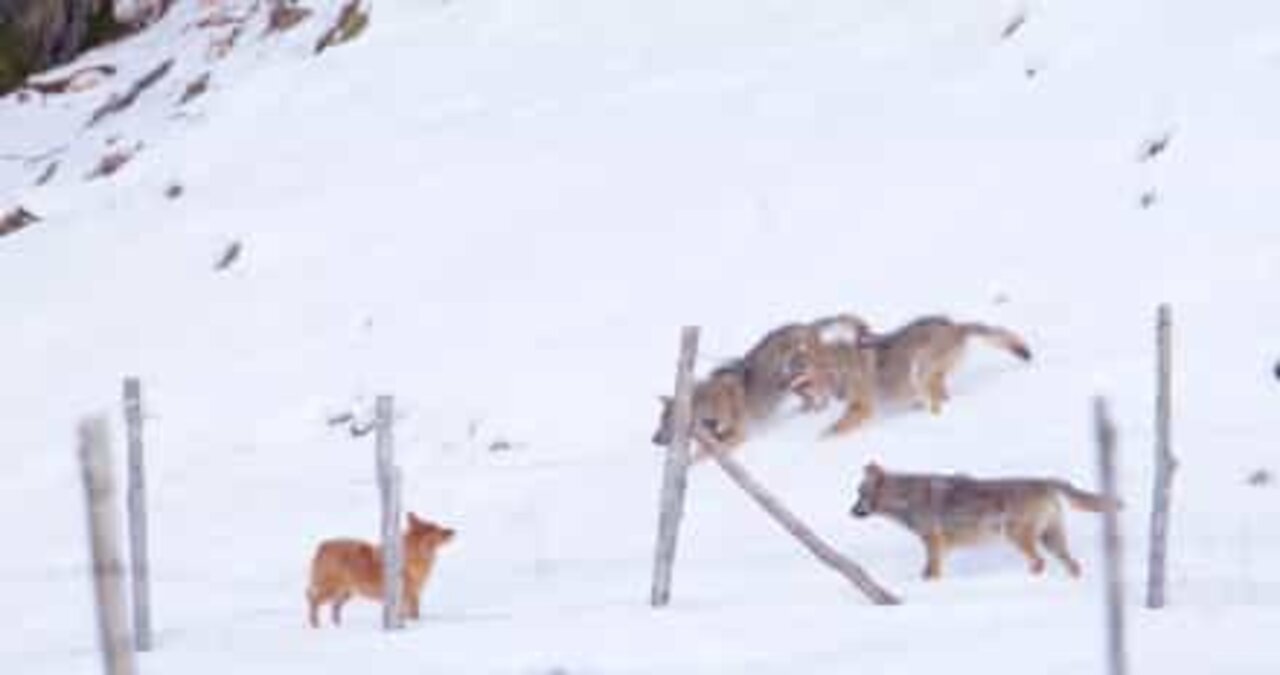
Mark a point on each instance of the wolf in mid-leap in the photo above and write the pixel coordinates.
(912, 362)
(748, 391)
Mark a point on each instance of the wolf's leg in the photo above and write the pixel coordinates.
(938, 386)
(813, 391)
(937, 390)
(855, 414)
(934, 547)
(1054, 539)
(1025, 539)
(918, 385)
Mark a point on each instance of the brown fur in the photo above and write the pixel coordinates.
(913, 362)
(342, 568)
(719, 412)
(748, 391)
(843, 368)
(949, 511)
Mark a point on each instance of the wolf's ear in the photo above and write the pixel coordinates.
(873, 470)
(664, 399)
(414, 520)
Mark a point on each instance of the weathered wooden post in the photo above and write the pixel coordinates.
(1105, 433)
(140, 569)
(675, 472)
(1166, 463)
(104, 547)
(820, 549)
(389, 489)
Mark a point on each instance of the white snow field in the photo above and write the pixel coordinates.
(502, 211)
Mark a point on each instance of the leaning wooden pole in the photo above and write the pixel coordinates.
(1165, 464)
(819, 548)
(389, 489)
(1105, 433)
(104, 547)
(675, 472)
(140, 569)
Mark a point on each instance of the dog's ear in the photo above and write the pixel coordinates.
(665, 400)
(415, 521)
(873, 470)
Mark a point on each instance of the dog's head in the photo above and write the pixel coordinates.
(873, 479)
(424, 536)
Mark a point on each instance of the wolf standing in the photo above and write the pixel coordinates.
(948, 511)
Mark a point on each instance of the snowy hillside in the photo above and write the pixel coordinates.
(502, 212)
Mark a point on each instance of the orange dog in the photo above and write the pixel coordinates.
(342, 568)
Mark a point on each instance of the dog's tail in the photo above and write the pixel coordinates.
(1000, 337)
(1085, 500)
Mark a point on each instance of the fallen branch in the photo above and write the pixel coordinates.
(823, 551)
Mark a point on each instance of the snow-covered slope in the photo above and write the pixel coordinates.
(502, 212)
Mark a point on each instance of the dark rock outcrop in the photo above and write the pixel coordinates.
(39, 34)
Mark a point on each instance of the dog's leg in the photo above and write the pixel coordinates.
(412, 603)
(336, 609)
(313, 608)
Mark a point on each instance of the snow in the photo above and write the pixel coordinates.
(502, 212)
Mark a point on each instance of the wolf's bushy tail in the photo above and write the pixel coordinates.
(1000, 337)
(1085, 500)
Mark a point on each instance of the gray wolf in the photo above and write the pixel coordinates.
(949, 511)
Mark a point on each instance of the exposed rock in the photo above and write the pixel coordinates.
(38, 34)
(284, 15)
(119, 102)
(351, 22)
(16, 220)
(229, 256)
(112, 162)
(196, 88)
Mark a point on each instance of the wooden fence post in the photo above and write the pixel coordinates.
(824, 552)
(140, 569)
(1166, 463)
(389, 489)
(675, 472)
(1105, 433)
(104, 547)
